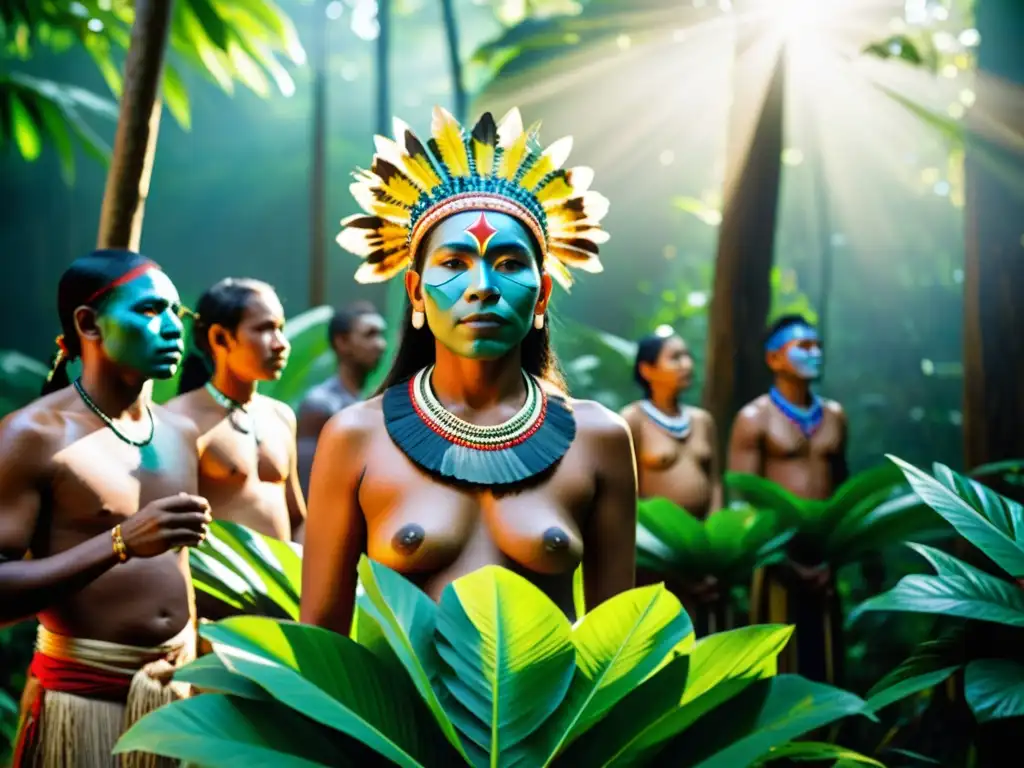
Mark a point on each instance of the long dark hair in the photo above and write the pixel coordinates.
(417, 350)
(222, 304)
(86, 283)
(647, 351)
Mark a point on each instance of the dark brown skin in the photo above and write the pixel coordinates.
(764, 442)
(65, 481)
(359, 352)
(256, 486)
(364, 491)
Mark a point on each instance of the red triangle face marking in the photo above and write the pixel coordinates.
(482, 232)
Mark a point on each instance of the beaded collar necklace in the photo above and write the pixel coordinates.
(232, 406)
(808, 420)
(110, 423)
(677, 426)
(437, 440)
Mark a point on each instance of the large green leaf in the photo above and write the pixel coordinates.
(1005, 514)
(618, 645)
(209, 674)
(764, 716)
(721, 666)
(406, 618)
(213, 729)
(993, 537)
(763, 493)
(815, 751)
(333, 681)
(933, 662)
(974, 596)
(249, 570)
(651, 701)
(891, 522)
(508, 662)
(994, 688)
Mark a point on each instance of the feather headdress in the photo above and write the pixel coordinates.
(498, 167)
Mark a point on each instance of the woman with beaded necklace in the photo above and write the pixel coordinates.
(247, 447)
(473, 455)
(674, 443)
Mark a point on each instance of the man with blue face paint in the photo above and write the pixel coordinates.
(796, 439)
(97, 506)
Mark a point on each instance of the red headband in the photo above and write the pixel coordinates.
(128, 276)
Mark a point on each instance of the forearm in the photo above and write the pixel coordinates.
(28, 587)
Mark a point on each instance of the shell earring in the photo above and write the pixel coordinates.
(538, 322)
(417, 319)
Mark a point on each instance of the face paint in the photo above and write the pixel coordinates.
(806, 361)
(140, 327)
(481, 284)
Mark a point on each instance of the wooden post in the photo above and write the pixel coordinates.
(124, 199)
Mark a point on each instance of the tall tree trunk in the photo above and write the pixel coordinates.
(124, 199)
(451, 31)
(318, 173)
(994, 258)
(741, 295)
(383, 61)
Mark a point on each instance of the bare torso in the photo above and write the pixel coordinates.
(678, 470)
(95, 481)
(804, 466)
(244, 481)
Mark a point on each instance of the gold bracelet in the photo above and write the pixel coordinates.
(119, 548)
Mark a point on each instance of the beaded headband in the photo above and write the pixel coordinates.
(411, 186)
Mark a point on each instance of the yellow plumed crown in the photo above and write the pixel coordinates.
(497, 167)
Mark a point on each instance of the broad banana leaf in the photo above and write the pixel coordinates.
(991, 522)
(248, 571)
(496, 665)
(728, 545)
(868, 512)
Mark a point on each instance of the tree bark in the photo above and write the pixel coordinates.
(741, 296)
(383, 68)
(318, 173)
(131, 166)
(994, 251)
(451, 31)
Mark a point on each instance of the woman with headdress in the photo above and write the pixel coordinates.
(247, 454)
(473, 454)
(675, 443)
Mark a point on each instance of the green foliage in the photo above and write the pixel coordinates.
(21, 378)
(248, 571)
(865, 514)
(729, 545)
(492, 675)
(993, 687)
(228, 42)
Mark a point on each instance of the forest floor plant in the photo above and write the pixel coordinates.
(493, 675)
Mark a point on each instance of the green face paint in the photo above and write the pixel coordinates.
(140, 326)
(480, 305)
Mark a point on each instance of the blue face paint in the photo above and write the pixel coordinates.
(140, 326)
(480, 306)
(802, 348)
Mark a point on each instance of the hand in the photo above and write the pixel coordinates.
(166, 524)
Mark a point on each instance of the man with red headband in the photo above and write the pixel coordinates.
(96, 508)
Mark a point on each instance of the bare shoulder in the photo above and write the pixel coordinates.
(185, 404)
(33, 434)
(356, 422)
(281, 409)
(601, 425)
(834, 411)
(631, 411)
(178, 419)
(701, 415)
(752, 415)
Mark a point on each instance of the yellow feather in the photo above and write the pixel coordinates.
(384, 270)
(483, 156)
(537, 172)
(401, 189)
(448, 134)
(390, 211)
(512, 158)
(553, 193)
(558, 272)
